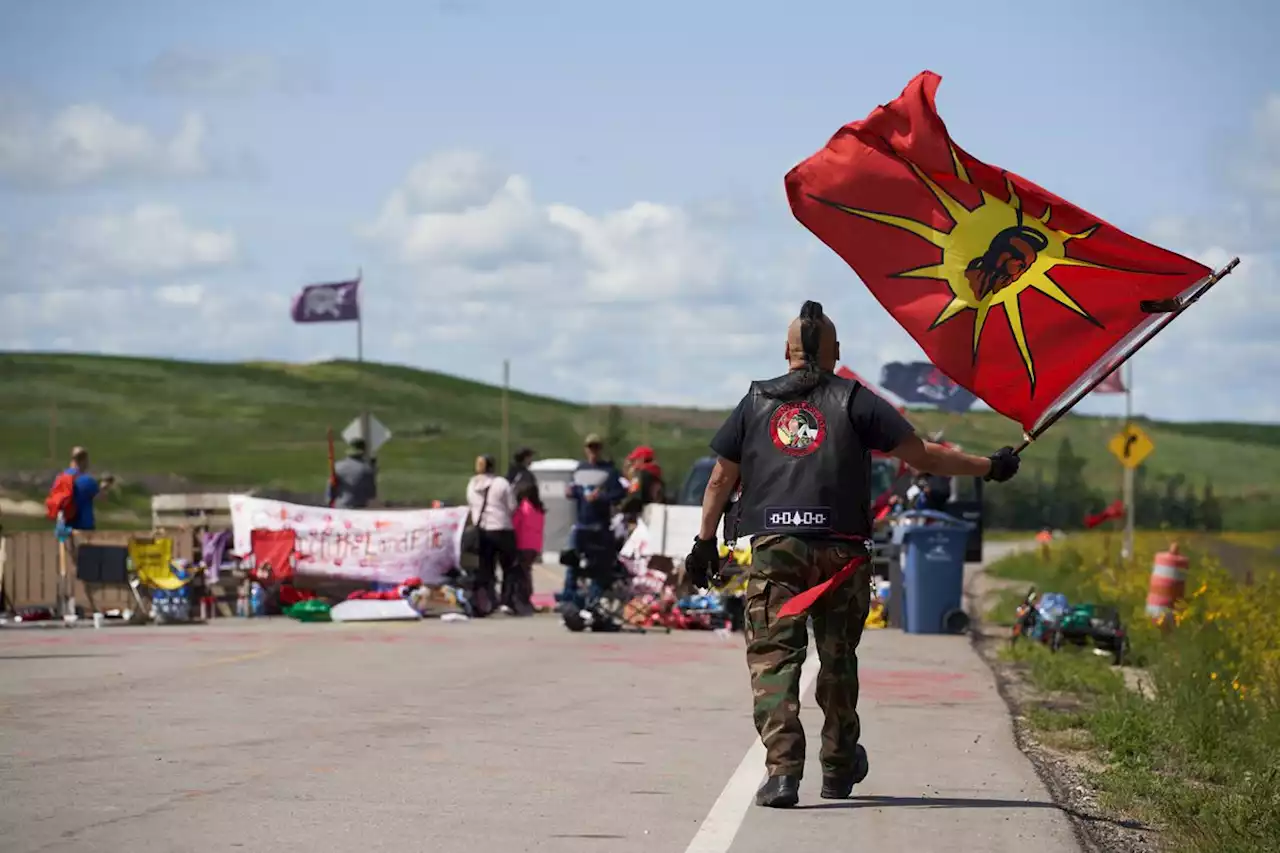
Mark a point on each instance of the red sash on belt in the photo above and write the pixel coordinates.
(804, 600)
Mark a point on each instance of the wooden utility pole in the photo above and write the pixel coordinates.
(506, 414)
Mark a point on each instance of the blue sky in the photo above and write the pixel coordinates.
(594, 190)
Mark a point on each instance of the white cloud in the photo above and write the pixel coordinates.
(85, 143)
(144, 320)
(646, 303)
(151, 243)
(1219, 358)
(645, 251)
(151, 240)
(457, 212)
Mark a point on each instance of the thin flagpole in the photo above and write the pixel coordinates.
(364, 386)
(359, 321)
(1171, 309)
(1126, 551)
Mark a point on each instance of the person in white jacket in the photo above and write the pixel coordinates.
(492, 502)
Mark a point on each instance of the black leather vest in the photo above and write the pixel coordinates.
(804, 468)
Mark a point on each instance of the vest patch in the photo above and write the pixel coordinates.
(797, 429)
(797, 518)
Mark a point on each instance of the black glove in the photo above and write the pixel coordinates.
(1004, 464)
(699, 566)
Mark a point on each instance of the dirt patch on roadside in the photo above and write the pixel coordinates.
(1064, 771)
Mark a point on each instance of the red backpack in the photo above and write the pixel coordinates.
(62, 498)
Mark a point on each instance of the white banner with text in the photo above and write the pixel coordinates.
(378, 545)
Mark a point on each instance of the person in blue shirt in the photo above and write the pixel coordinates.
(596, 488)
(86, 487)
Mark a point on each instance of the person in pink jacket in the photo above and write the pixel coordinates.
(528, 521)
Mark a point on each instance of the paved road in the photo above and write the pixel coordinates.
(497, 735)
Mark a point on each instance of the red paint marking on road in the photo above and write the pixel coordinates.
(127, 637)
(910, 675)
(916, 685)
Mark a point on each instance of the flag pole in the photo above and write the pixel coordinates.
(359, 321)
(364, 386)
(1126, 549)
(1170, 309)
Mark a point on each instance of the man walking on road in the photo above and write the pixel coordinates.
(800, 444)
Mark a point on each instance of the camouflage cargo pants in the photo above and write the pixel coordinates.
(782, 566)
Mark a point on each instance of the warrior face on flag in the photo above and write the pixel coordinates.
(1012, 252)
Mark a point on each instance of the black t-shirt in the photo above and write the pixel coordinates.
(880, 426)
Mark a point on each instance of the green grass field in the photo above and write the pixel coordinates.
(163, 425)
(1200, 757)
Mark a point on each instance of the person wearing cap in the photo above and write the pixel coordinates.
(645, 477)
(357, 479)
(596, 488)
(800, 447)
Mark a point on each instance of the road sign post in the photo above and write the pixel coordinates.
(377, 435)
(1131, 446)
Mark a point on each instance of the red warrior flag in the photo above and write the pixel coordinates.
(1013, 292)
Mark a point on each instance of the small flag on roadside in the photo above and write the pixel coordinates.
(327, 303)
(1116, 510)
(1113, 384)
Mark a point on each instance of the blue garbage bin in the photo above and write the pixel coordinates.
(933, 546)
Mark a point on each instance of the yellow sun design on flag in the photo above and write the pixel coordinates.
(993, 254)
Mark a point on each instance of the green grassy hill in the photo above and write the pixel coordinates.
(168, 425)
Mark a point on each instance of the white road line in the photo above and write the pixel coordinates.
(721, 824)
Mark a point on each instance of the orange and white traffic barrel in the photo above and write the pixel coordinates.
(1168, 582)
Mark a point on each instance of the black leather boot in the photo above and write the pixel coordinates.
(840, 787)
(779, 792)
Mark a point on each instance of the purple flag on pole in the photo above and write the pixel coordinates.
(327, 303)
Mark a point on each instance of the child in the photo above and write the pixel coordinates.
(528, 521)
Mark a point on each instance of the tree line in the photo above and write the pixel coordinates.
(1065, 500)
